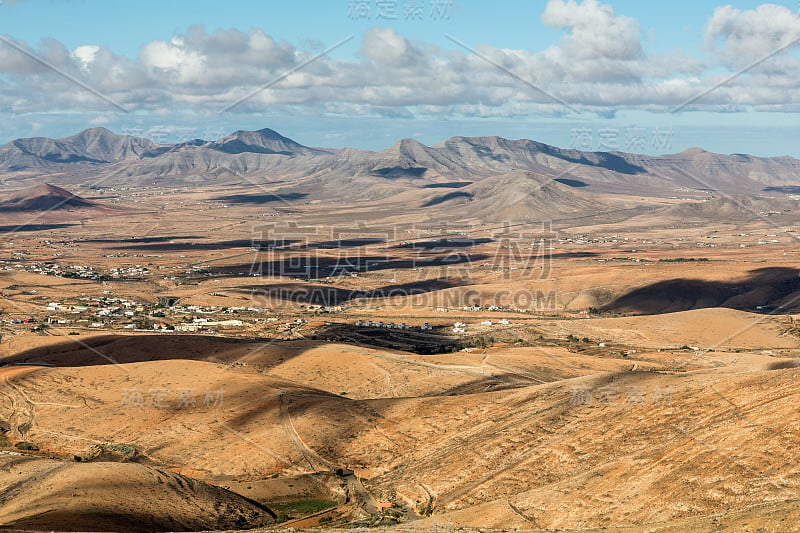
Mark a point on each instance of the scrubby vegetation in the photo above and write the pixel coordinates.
(296, 509)
(113, 452)
(5, 427)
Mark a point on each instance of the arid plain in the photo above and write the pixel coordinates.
(397, 342)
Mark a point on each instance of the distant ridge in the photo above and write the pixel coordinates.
(256, 157)
(94, 146)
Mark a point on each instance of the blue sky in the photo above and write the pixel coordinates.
(125, 26)
(364, 95)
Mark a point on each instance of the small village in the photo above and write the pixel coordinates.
(51, 268)
(168, 315)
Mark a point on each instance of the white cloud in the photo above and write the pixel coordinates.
(742, 36)
(171, 60)
(385, 46)
(599, 65)
(100, 120)
(85, 54)
(593, 31)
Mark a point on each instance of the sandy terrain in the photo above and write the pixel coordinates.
(705, 328)
(538, 442)
(53, 495)
(647, 381)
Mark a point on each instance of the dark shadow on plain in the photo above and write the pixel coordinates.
(143, 240)
(570, 255)
(223, 245)
(33, 227)
(764, 290)
(328, 295)
(353, 242)
(444, 244)
(312, 266)
(260, 199)
(785, 189)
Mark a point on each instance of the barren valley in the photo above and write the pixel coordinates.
(248, 333)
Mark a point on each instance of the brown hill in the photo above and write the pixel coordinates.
(731, 208)
(515, 196)
(47, 495)
(636, 448)
(45, 197)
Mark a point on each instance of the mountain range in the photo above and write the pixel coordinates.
(466, 168)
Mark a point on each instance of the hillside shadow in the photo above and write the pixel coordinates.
(107, 349)
(447, 197)
(608, 160)
(411, 340)
(238, 146)
(491, 383)
(123, 349)
(393, 173)
(571, 182)
(447, 185)
(763, 290)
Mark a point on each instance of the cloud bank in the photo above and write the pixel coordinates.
(600, 64)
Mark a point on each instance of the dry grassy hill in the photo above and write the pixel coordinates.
(578, 441)
(43, 495)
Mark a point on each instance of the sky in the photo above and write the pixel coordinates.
(649, 77)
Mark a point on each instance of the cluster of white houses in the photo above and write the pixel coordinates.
(479, 308)
(201, 324)
(101, 311)
(386, 325)
(49, 268)
(391, 325)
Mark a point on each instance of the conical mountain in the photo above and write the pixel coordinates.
(44, 197)
(265, 141)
